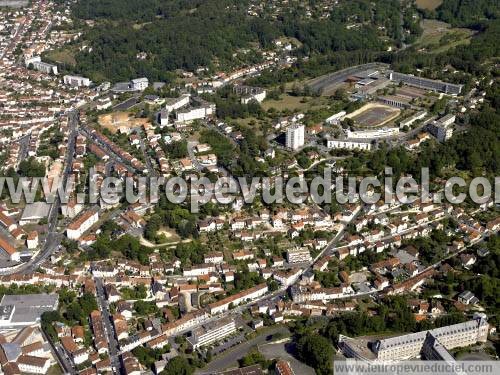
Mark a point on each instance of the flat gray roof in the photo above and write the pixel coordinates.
(37, 210)
(29, 307)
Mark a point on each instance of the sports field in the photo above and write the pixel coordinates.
(373, 115)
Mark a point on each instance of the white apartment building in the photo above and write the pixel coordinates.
(198, 270)
(441, 131)
(215, 257)
(249, 93)
(348, 144)
(336, 118)
(448, 119)
(176, 103)
(195, 113)
(81, 224)
(410, 120)
(249, 294)
(295, 136)
(287, 278)
(301, 294)
(163, 117)
(372, 134)
(71, 209)
(37, 64)
(212, 332)
(410, 346)
(298, 255)
(103, 103)
(188, 321)
(76, 81)
(139, 84)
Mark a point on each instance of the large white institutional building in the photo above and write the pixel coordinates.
(212, 332)
(432, 344)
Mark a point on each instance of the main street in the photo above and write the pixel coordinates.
(108, 326)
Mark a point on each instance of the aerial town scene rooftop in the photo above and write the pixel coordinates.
(144, 151)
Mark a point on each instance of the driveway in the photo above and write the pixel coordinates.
(281, 350)
(230, 357)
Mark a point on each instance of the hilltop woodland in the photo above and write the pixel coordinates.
(187, 34)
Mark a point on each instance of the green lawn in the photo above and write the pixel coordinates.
(65, 56)
(439, 36)
(293, 103)
(54, 370)
(429, 4)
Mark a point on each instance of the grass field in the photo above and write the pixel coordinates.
(439, 36)
(54, 370)
(428, 4)
(65, 56)
(289, 102)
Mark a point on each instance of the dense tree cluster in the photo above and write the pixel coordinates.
(191, 33)
(238, 158)
(317, 352)
(128, 245)
(467, 12)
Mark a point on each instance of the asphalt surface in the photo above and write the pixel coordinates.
(149, 164)
(88, 133)
(108, 326)
(23, 147)
(324, 83)
(231, 356)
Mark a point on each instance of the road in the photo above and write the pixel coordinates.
(231, 356)
(127, 104)
(88, 133)
(149, 164)
(59, 355)
(24, 143)
(109, 328)
(190, 148)
(323, 83)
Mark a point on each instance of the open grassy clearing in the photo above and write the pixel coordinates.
(439, 36)
(65, 56)
(292, 103)
(429, 4)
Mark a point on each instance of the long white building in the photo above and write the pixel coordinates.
(212, 332)
(246, 295)
(76, 81)
(175, 103)
(425, 83)
(348, 144)
(372, 134)
(298, 255)
(336, 118)
(81, 224)
(413, 345)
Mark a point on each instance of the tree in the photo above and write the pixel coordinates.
(152, 227)
(178, 366)
(88, 303)
(47, 319)
(340, 94)
(317, 352)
